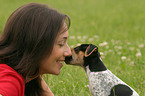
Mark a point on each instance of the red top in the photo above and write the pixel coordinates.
(11, 83)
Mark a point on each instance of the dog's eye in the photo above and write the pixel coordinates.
(76, 49)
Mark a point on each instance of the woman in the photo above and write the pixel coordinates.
(33, 42)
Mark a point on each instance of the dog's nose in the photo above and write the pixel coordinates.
(68, 59)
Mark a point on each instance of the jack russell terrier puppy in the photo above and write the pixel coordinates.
(102, 82)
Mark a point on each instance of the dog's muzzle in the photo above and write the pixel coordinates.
(68, 59)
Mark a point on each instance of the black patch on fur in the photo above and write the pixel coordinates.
(68, 59)
(94, 62)
(82, 47)
(121, 90)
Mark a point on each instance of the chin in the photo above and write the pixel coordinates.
(56, 72)
(53, 73)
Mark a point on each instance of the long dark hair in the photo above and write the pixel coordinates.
(27, 38)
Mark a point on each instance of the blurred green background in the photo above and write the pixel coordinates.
(117, 27)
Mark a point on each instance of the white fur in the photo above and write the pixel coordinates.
(101, 83)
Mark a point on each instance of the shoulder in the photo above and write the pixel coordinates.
(10, 81)
(7, 71)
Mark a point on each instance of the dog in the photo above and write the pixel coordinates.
(102, 82)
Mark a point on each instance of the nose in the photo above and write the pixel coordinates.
(67, 51)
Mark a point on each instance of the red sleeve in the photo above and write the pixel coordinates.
(11, 83)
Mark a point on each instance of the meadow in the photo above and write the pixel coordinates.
(117, 27)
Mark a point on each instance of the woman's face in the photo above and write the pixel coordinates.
(54, 62)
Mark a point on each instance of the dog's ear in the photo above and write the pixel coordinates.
(91, 49)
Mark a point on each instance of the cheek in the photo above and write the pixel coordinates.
(57, 52)
(81, 55)
(55, 49)
(48, 65)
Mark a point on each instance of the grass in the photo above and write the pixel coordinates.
(116, 26)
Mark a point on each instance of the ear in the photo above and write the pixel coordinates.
(90, 49)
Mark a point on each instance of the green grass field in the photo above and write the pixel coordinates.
(117, 27)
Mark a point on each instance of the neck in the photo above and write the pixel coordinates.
(95, 65)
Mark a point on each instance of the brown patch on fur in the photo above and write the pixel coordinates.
(77, 58)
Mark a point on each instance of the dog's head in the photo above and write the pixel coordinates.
(82, 53)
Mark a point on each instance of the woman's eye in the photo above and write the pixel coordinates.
(61, 45)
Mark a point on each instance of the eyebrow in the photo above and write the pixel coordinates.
(62, 39)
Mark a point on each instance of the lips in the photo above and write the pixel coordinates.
(60, 63)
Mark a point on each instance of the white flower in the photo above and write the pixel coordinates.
(131, 48)
(101, 53)
(79, 37)
(72, 37)
(107, 47)
(60, 81)
(141, 45)
(78, 44)
(86, 85)
(123, 57)
(138, 50)
(119, 53)
(91, 39)
(85, 37)
(118, 47)
(72, 46)
(103, 44)
(110, 50)
(96, 36)
(132, 63)
(128, 43)
(138, 54)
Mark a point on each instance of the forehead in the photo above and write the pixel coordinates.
(63, 30)
(63, 34)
